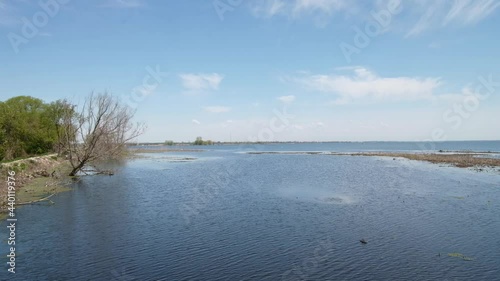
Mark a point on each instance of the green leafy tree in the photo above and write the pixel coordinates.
(26, 127)
(198, 141)
(57, 112)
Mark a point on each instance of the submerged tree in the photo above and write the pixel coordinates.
(98, 131)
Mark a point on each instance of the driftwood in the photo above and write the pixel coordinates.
(96, 171)
(36, 201)
(105, 172)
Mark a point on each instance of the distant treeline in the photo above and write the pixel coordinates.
(28, 126)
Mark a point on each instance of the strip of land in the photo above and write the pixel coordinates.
(161, 150)
(457, 159)
(461, 160)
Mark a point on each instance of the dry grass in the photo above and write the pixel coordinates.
(464, 160)
(33, 178)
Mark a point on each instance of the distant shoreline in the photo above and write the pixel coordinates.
(293, 142)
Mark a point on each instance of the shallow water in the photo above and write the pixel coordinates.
(233, 216)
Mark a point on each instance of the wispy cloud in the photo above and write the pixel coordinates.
(434, 45)
(287, 99)
(361, 84)
(9, 14)
(419, 15)
(124, 4)
(217, 109)
(458, 13)
(268, 8)
(470, 11)
(319, 10)
(325, 6)
(200, 82)
(194, 121)
(306, 126)
(298, 8)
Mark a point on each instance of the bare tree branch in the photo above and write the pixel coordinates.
(99, 131)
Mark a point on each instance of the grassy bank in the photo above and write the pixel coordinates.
(36, 178)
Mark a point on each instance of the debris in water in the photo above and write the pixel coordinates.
(363, 241)
(462, 256)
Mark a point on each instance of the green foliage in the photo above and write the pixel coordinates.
(200, 141)
(168, 142)
(28, 126)
(15, 169)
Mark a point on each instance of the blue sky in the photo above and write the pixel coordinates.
(307, 70)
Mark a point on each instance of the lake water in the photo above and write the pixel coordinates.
(229, 215)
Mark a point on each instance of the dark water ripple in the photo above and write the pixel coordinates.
(266, 217)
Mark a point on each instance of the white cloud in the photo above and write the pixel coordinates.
(318, 124)
(200, 82)
(287, 99)
(361, 83)
(298, 127)
(454, 98)
(217, 109)
(194, 121)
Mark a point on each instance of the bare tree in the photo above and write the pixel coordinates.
(99, 131)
